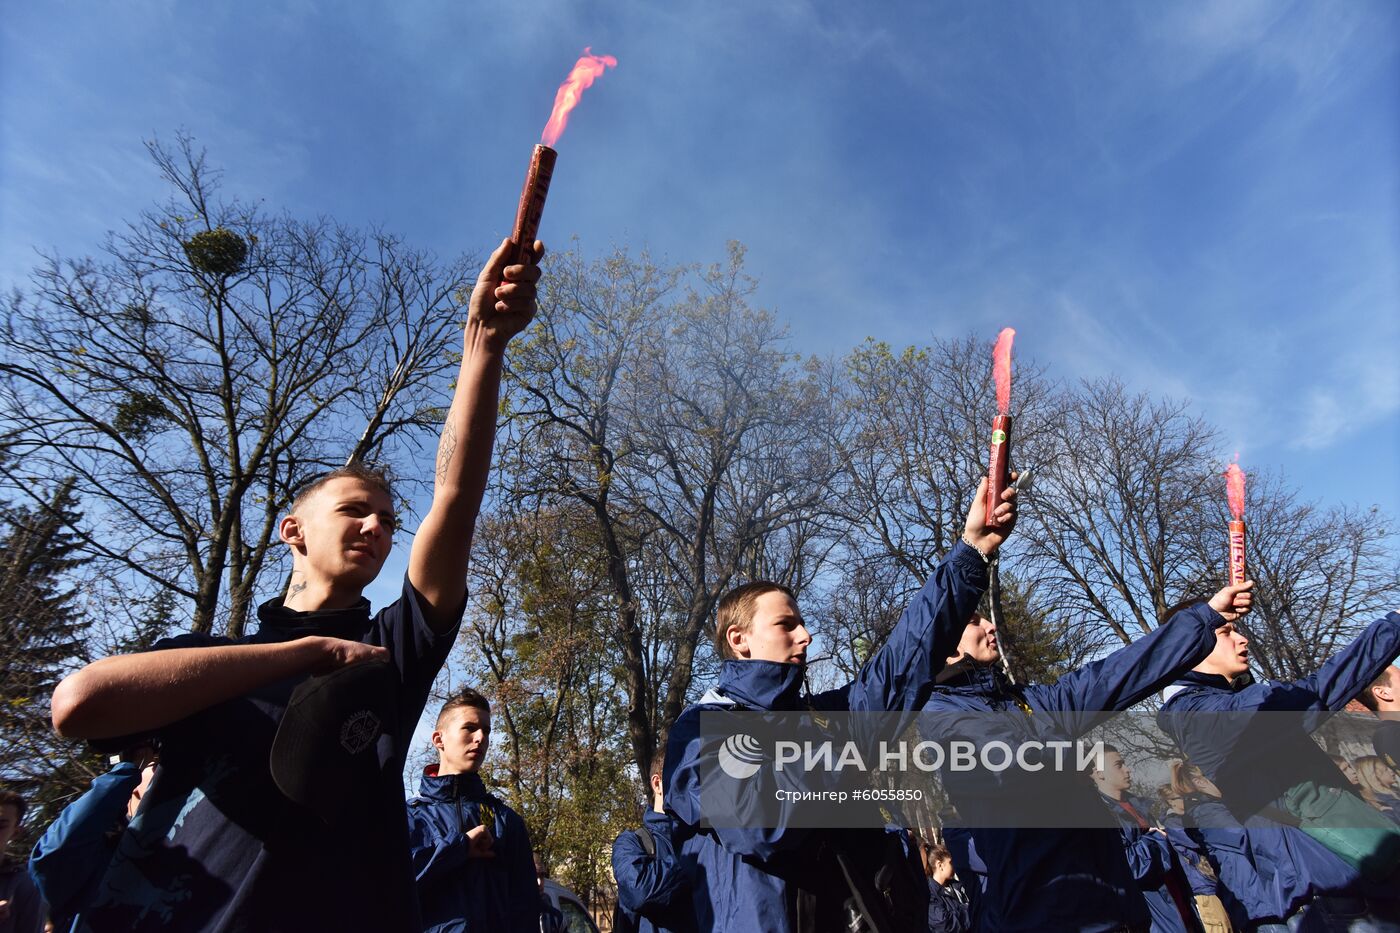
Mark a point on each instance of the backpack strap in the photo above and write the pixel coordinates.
(648, 843)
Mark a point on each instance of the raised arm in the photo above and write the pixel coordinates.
(1348, 672)
(134, 693)
(930, 627)
(1129, 675)
(502, 304)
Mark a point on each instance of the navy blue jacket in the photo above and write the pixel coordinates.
(69, 860)
(456, 893)
(1056, 878)
(1266, 871)
(968, 865)
(653, 889)
(947, 913)
(745, 879)
(1254, 760)
(1191, 853)
(1153, 861)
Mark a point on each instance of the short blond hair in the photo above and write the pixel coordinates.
(736, 609)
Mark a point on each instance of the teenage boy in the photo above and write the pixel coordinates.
(651, 879)
(1296, 807)
(217, 845)
(762, 878)
(1073, 876)
(1153, 860)
(1382, 697)
(471, 852)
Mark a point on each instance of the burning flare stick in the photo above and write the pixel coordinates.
(1234, 493)
(536, 189)
(999, 474)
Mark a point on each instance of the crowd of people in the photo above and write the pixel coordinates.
(258, 782)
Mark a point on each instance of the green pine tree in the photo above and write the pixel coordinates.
(42, 635)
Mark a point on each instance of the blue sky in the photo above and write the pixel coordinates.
(1201, 197)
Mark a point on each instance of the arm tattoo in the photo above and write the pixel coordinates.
(446, 448)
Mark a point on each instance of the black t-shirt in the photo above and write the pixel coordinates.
(217, 847)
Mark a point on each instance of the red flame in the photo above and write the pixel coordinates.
(1001, 368)
(1234, 489)
(587, 71)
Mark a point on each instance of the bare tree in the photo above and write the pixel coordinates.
(914, 446)
(1112, 534)
(216, 358)
(538, 641)
(682, 423)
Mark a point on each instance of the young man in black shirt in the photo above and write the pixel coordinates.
(217, 845)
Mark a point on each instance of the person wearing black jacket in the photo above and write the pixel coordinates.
(948, 910)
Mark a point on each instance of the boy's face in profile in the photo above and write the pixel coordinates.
(1116, 777)
(1231, 654)
(979, 641)
(775, 633)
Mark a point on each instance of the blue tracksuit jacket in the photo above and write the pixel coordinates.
(1254, 760)
(1192, 855)
(69, 860)
(745, 879)
(654, 889)
(455, 893)
(1060, 879)
(1153, 860)
(968, 865)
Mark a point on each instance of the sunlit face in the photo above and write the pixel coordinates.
(775, 633)
(9, 824)
(1116, 777)
(979, 642)
(1230, 657)
(462, 737)
(342, 531)
(1348, 771)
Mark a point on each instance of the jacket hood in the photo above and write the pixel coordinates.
(968, 676)
(658, 822)
(466, 786)
(1212, 681)
(772, 685)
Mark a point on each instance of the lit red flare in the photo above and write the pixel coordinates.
(1234, 494)
(585, 72)
(1001, 369)
(1234, 489)
(536, 187)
